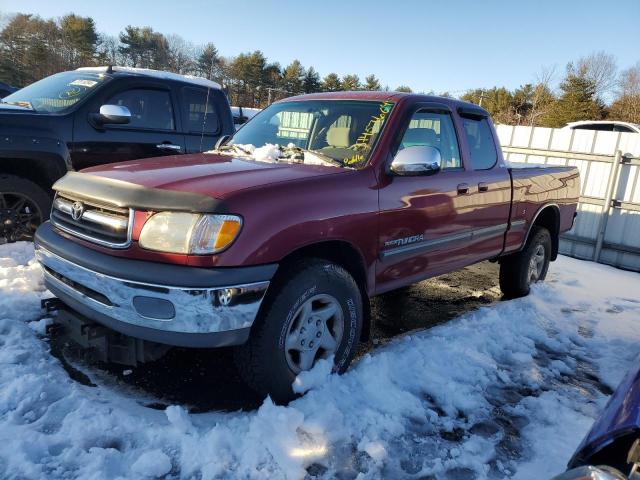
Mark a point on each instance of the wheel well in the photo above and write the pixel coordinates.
(549, 218)
(343, 254)
(43, 172)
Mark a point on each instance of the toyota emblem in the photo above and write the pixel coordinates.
(77, 209)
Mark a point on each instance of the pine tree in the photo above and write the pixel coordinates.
(311, 82)
(248, 72)
(293, 77)
(351, 83)
(578, 101)
(209, 62)
(331, 83)
(79, 40)
(143, 47)
(404, 88)
(371, 83)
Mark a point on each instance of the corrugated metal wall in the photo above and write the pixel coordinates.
(609, 164)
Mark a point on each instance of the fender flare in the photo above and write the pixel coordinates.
(50, 158)
(555, 239)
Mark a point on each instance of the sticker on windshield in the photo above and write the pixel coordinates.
(84, 83)
(372, 128)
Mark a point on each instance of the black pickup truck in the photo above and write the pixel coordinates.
(90, 116)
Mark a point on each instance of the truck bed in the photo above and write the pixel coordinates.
(536, 186)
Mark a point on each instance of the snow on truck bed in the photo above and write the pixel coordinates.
(505, 391)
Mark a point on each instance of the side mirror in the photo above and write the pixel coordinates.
(417, 160)
(113, 114)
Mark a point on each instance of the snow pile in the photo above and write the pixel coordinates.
(272, 153)
(506, 391)
(266, 153)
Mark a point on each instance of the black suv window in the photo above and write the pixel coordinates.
(149, 108)
(482, 148)
(200, 113)
(601, 127)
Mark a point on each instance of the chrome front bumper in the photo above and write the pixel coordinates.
(157, 312)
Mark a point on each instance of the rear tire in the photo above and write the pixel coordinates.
(24, 205)
(318, 301)
(520, 270)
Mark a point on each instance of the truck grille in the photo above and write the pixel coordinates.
(103, 224)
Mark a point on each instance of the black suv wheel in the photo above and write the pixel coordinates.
(23, 206)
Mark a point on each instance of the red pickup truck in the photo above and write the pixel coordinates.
(275, 241)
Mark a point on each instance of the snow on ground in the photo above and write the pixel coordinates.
(506, 391)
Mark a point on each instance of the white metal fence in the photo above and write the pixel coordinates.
(608, 225)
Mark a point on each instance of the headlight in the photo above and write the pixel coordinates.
(189, 233)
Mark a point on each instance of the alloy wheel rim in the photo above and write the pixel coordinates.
(536, 264)
(315, 332)
(19, 217)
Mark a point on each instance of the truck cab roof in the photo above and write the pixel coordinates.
(385, 96)
(147, 72)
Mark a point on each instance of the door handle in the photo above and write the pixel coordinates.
(168, 146)
(463, 189)
(483, 187)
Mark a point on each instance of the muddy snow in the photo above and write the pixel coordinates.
(506, 391)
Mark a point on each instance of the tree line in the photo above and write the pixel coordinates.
(32, 48)
(581, 95)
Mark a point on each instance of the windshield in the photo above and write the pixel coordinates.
(56, 93)
(336, 132)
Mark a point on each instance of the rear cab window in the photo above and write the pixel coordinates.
(482, 147)
(200, 115)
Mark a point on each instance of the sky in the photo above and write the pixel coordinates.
(429, 45)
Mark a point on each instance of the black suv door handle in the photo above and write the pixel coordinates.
(483, 187)
(463, 189)
(168, 146)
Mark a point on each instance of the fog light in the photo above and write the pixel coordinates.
(155, 308)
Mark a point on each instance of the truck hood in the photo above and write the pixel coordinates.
(213, 175)
(621, 416)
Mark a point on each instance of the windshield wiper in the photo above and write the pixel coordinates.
(323, 156)
(233, 147)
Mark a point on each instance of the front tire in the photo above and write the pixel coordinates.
(521, 270)
(24, 205)
(316, 312)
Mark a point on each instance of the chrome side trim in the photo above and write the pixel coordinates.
(197, 310)
(429, 245)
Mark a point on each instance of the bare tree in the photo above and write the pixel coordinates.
(627, 104)
(541, 95)
(629, 83)
(181, 55)
(108, 50)
(601, 69)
